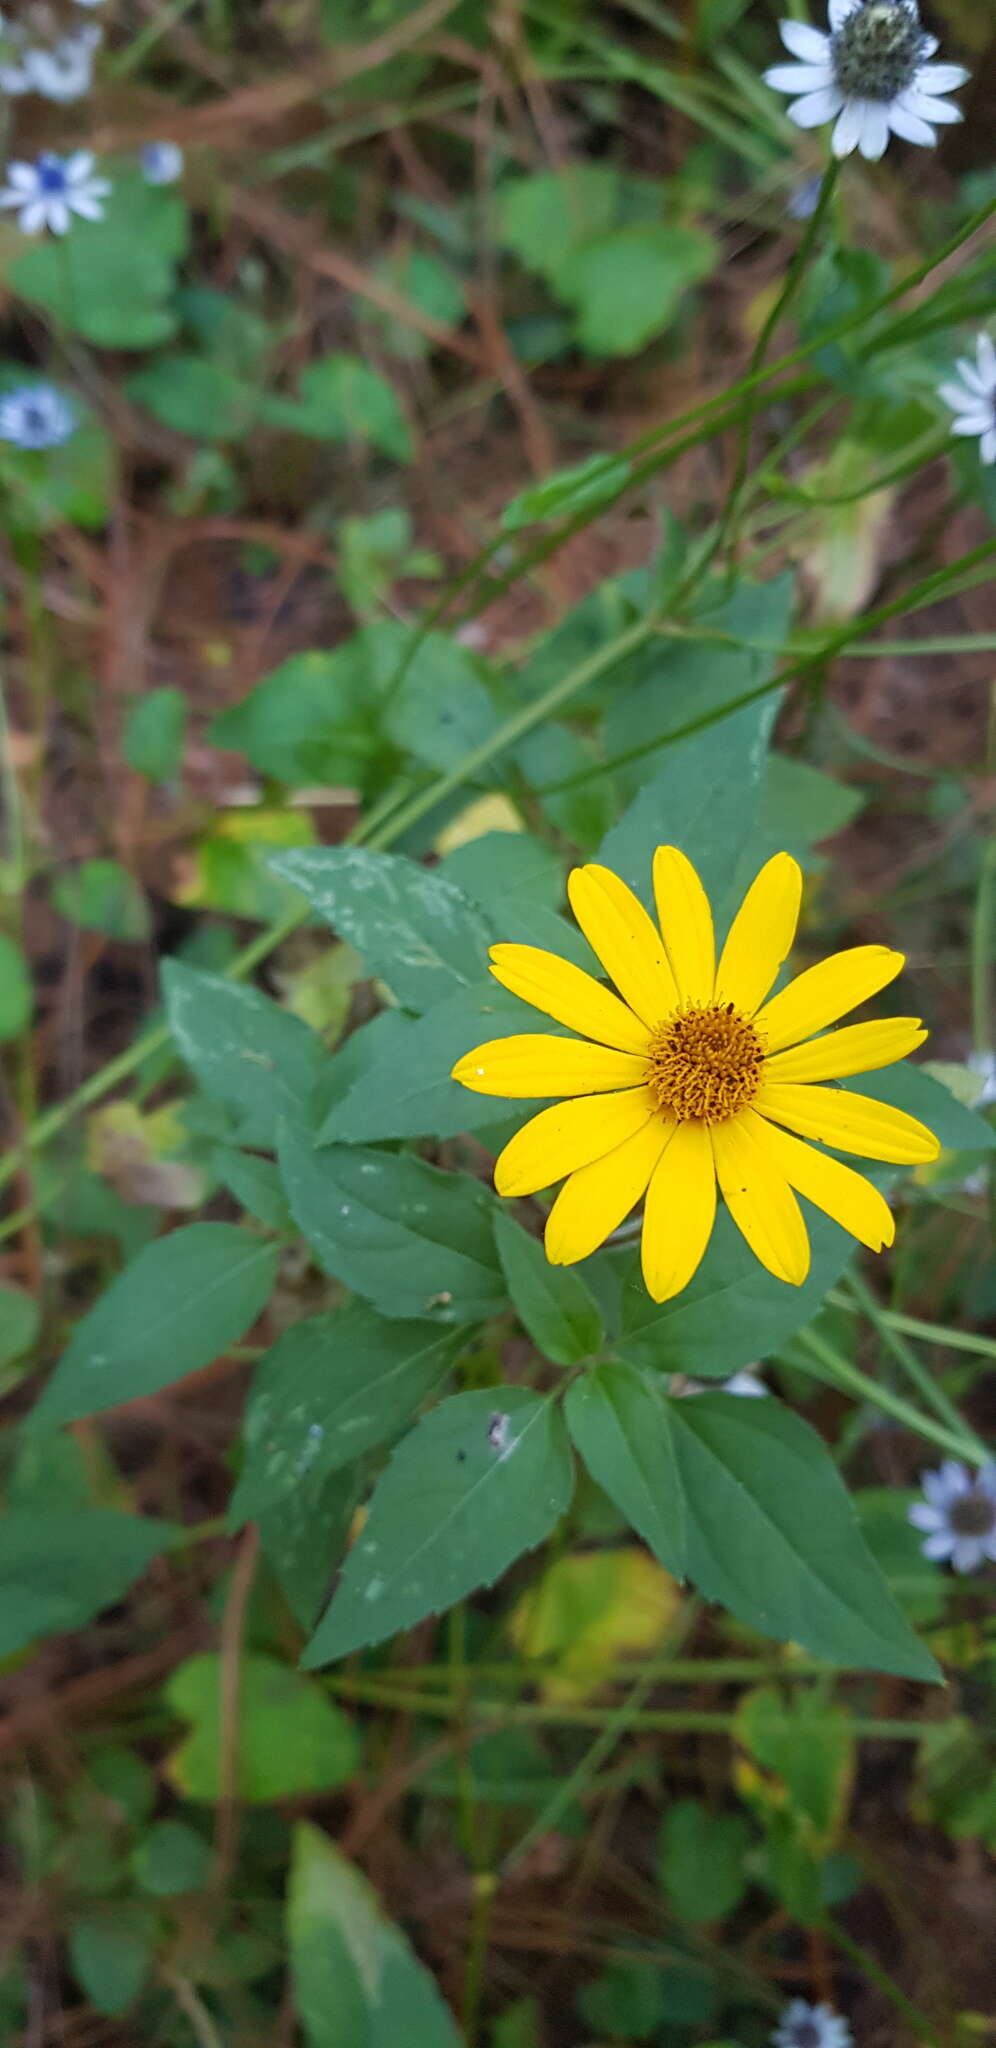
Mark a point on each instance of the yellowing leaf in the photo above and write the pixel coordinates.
(494, 813)
(137, 1154)
(227, 869)
(840, 544)
(588, 1610)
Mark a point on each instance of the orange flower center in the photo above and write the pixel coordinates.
(705, 1062)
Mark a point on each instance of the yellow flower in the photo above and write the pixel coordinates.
(691, 1076)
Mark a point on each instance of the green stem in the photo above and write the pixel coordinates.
(923, 2028)
(983, 949)
(895, 1343)
(841, 1373)
(652, 1721)
(726, 530)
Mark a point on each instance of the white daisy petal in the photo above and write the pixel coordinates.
(798, 77)
(926, 1518)
(808, 43)
(942, 77)
(940, 1546)
(973, 422)
(929, 45)
(910, 126)
(847, 133)
(34, 218)
(874, 135)
(59, 216)
(975, 379)
(87, 206)
(929, 108)
(986, 353)
(78, 166)
(987, 446)
(956, 1476)
(967, 1554)
(838, 11)
(23, 177)
(816, 108)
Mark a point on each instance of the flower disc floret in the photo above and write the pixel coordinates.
(876, 53)
(705, 1062)
(688, 1080)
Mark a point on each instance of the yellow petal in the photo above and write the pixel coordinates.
(760, 1200)
(851, 1123)
(534, 1064)
(593, 1203)
(855, 1050)
(569, 1135)
(680, 1211)
(686, 923)
(822, 993)
(567, 993)
(847, 1196)
(761, 935)
(626, 940)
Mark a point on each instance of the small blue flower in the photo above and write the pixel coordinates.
(161, 162)
(47, 193)
(958, 1515)
(36, 416)
(811, 2026)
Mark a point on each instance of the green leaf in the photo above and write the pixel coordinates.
(628, 285)
(357, 1983)
(773, 1536)
(418, 933)
(243, 1048)
(303, 1537)
(15, 993)
(59, 1567)
(503, 871)
(583, 487)
(552, 1303)
(621, 1425)
(808, 1742)
(256, 1183)
(153, 734)
(407, 1092)
(701, 1860)
(340, 398)
(111, 281)
(185, 1298)
(20, 1321)
(481, 1479)
(101, 896)
(704, 798)
(733, 1311)
(307, 722)
(197, 397)
(330, 1389)
(291, 1739)
(110, 1960)
(171, 1859)
(543, 218)
(414, 1240)
(801, 806)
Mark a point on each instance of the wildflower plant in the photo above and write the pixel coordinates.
(562, 1081)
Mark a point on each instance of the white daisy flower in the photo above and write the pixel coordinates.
(36, 416)
(161, 163)
(869, 75)
(958, 1515)
(811, 2026)
(47, 193)
(65, 72)
(972, 397)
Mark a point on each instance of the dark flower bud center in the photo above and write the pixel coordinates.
(973, 1514)
(877, 52)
